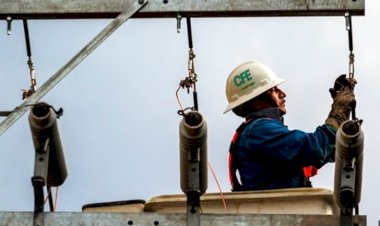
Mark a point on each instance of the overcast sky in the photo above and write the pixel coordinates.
(120, 122)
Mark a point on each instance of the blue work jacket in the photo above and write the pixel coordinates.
(270, 156)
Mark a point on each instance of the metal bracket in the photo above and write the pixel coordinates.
(9, 25)
(347, 190)
(193, 196)
(41, 164)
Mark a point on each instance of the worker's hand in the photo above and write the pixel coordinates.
(340, 83)
(343, 103)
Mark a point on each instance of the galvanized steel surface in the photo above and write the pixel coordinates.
(148, 219)
(170, 8)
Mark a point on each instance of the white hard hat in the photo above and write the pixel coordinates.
(247, 81)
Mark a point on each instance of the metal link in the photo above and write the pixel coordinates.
(191, 69)
(351, 71)
(351, 66)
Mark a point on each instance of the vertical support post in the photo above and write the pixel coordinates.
(193, 163)
(347, 196)
(193, 195)
(41, 163)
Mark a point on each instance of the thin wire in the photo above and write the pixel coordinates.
(178, 100)
(220, 190)
(56, 199)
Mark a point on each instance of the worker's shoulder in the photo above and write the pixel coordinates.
(263, 120)
(262, 123)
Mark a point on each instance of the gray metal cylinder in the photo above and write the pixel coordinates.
(43, 125)
(349, 152)
(193, 152)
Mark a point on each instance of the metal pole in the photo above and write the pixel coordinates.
(69, 66)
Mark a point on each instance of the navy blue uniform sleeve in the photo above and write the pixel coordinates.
(273, 140)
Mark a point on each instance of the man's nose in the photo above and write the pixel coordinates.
(282, 93)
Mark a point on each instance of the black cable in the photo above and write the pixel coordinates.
(349, 29)
(189, 32)
(195, 97)
(27, 40)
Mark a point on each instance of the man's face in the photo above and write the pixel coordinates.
(278, 98)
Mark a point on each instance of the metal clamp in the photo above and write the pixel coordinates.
(9, 25)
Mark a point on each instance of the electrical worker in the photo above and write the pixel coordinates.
(266, 154)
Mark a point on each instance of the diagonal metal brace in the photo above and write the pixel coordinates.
(71, 64)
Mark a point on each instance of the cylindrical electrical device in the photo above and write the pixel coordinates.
(44, 128)
(193, 152)
(348, 164)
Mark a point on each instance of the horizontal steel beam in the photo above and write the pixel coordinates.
(62, 9)
(171, 219)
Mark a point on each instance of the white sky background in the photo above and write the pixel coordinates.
(120, 122)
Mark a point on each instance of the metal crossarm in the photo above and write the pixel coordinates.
(173, 219)
(52, 9)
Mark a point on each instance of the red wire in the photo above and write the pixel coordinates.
(56, 199)
(220, 190)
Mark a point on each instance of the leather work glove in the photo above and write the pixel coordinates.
(341, 108)
(340, 83)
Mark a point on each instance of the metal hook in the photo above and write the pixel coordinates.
(348, 21)
(179, 17)
(9, 25)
